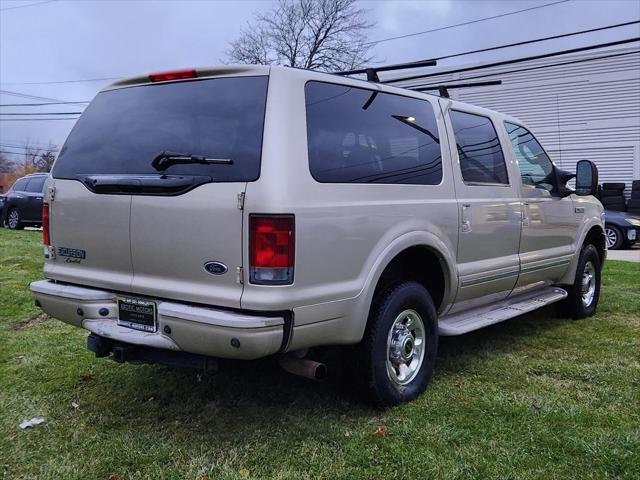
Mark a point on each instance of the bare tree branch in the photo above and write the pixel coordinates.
(314, 34)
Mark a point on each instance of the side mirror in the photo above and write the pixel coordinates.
(586, 178)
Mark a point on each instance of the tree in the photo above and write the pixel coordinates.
(314, 34)
(44, 161)
(7, 166)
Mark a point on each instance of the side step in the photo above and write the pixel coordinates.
(476, 318)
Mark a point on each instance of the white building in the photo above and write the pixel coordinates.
(588, 108)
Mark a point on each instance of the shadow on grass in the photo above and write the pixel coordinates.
(245, 397)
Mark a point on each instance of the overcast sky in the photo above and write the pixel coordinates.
(77, 40)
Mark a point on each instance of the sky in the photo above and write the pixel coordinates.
(62, 40)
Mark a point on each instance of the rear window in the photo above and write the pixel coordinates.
(362, 136)
(123, 130)
(20, 185)
(36, 184)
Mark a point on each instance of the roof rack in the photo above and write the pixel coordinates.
(372, 72)
(443, 90)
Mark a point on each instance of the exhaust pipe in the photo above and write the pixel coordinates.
(303, 367)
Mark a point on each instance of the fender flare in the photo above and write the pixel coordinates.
(422, 239)
(570, 274)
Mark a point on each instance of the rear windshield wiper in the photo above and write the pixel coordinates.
(164, 160)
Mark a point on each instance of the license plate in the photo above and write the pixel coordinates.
(631, 234)
(137, 314)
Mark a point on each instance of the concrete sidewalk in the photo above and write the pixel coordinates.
(632, 255)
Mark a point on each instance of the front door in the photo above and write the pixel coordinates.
(549, 221)
(490, 213)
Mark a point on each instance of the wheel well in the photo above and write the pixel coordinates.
(419, 264)
(596, 237)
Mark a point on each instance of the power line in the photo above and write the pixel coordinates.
(27, 146)
(104, 79)
(26, 95)
(42, 113)
(582, 60)
(35, 119)
(31, 149)
(28, 5)
(466, 23)
(535, 40)
(517, 60)
(41, 104)
(21, 154)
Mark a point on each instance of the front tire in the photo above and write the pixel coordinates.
(614, 237)
(585, 291)
(395, 360)
(14, 219)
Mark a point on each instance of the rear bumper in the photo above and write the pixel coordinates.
(181, 327)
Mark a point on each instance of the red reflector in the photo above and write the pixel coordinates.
(271, 249)
(174, 75)
(45, 224)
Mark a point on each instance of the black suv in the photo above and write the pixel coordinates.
(23, 202)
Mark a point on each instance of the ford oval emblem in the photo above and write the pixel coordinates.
(215, 268)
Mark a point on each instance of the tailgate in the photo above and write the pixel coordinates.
(189, 247)
(90, 234)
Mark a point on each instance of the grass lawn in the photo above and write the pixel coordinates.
(536, 397)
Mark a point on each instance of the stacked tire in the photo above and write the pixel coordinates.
(634, 203)
(612, 196)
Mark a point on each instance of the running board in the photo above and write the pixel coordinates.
(476, 318)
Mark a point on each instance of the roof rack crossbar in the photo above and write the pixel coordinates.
(443, 90)
(372, 72)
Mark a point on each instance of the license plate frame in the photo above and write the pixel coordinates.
(138, 314)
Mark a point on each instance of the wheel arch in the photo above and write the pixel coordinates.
(592, 234)
(406, 254)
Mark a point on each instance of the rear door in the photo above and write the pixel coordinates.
(33, 210)
(489, 210)
(180, 216)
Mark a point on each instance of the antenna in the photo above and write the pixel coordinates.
(372, 72)
(443, 90)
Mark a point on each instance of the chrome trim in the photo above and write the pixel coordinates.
(544, 266)
(488, 278)
(47, 287)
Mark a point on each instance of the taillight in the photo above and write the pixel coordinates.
(271, 249)
(46, 240)
(174, 75)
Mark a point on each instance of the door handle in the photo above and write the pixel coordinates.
(465, 220)
(526, 215)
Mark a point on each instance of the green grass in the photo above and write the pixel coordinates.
(536, 397)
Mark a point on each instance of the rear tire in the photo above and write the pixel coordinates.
(395, 360)
(585, 291)
(14, 219)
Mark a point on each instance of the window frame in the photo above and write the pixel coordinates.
(555, 183)
(455, 145)
(426, 99)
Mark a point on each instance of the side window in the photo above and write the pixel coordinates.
(479, 150)
(20, 185)
(362, 136)
(36, 184)
(536, 168)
